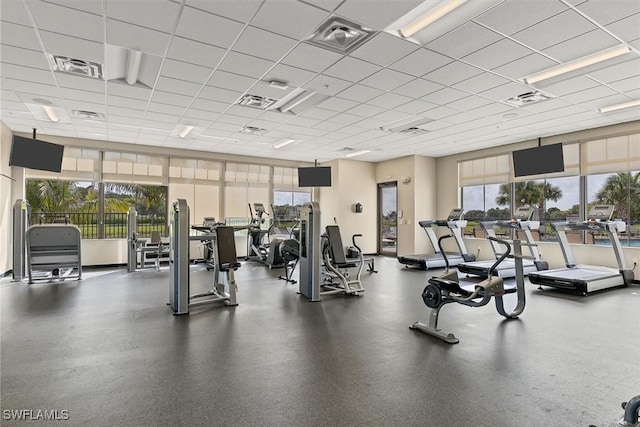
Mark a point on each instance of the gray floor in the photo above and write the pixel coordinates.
(107, 350)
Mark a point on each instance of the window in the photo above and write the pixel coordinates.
(151, 205)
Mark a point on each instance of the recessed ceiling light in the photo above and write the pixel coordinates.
(278, 85)
(429, 17)
(283, 143)
(616, 107)
(185, 131)
(51, 113)
(42, 101)
(357, 153)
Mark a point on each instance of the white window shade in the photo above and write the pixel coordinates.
(571, 155)
(286, 179)
(621, 153)
(488, 170)
(134, 168)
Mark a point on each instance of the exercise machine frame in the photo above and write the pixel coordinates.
(446, 289)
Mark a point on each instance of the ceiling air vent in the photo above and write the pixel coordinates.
(87, 115)
(340, 35)
(409, 126)
(76, 66)
(256, 101)
(251, 130)
(528, 98)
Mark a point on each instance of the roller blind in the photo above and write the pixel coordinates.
(616, 154)
(488, 170)
(134, 168)
(78, 164)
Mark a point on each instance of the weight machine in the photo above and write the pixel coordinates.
(268, 253)
(53, 252)
(21, 215)
(446, 289)
(224, 260)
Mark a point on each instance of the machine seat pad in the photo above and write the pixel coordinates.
(230, 266)
(347, 265)
(450, 285)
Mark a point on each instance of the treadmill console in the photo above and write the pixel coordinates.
(600, 213)
(455, 214)
(523, 213)
(258, 207)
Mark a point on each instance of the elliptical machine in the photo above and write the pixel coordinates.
(266, 253)
(446, 289)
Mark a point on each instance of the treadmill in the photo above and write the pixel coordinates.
(456, 224)
(507, 268)
(587, 279)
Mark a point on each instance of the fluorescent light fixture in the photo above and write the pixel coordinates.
(133, 66)
(283, 143)
(185, 131)
(51, 113)
(357, 153)
(296, 101)
(577, 64)
(629, 104)
(431, 16)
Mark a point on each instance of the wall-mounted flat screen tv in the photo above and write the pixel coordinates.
(35, 154)
(314, 177)
(538, 160)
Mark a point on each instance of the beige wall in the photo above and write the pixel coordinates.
(352, 182)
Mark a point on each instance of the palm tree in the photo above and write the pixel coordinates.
(623, 191)
(532, 193)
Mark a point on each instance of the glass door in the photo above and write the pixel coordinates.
(387, 218)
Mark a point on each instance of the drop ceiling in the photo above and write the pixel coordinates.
(200, 57)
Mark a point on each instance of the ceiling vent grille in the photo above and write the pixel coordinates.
(347, 150)
(256, 101)
(340, 35)
(252, 130)
(414, 131)
(408, 126)
(87, 115)
(77, 67)
(528, 98)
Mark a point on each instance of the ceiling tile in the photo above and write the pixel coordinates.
(377, 14)
(185, 71)
(421, 62)
(387, 79)
(130, 103)
(572, 85)
(194, 52)
(626, 85)
(586, 95)
(481, 82)
(507, 91)
(19, 36)
(582, 45)
(452, 73)
(292, 76)
(525, 66)
(311, 57)
(136, 37)
(469, 103)
(508, 17)
(365, 110)
(327, 85)
(618, 71)
(163, 18)
(245, 65)
(389, 100)
(57, 19)
(219, 94)
(626, 29)
(291, 19)
(558, 28)
(125, 112)
(125, 90)
(24, 57)
(177, 86)
(318, 113)
(338, 104)
(416, 107)
(230, 81)
(464, 40)
(210, 105)
(351, 69)
(359, 93)
(72, 47)
(384, 49)
(239, 10)
(445, 96)
(263, 44)
(208, 28)
(604, 12)
(27, 74)
(82, 95)
(171, 98)
(417, 88)
(14, 11)
(497, 54)
(34, 88)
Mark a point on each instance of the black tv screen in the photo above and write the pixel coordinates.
(538, 160)
(314, 177)
(35, 154)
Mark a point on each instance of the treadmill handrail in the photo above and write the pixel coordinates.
(504, 255)
(442, 251)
